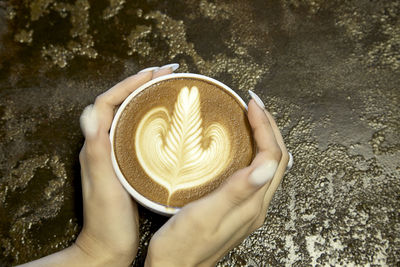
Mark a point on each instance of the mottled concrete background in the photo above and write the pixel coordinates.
(329, 70)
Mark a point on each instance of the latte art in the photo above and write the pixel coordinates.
(178, 138)
(174, 149)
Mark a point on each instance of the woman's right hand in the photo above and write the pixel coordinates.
(206, 229)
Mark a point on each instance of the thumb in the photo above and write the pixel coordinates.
(244, 183)
(239, 187)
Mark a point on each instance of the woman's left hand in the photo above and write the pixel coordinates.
(110, 214)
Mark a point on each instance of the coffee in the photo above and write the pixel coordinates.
(180, 138)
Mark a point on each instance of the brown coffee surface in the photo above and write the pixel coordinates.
(181, 138)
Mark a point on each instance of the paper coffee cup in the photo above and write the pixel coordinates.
(144, 201)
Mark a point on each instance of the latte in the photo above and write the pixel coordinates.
(179, 138)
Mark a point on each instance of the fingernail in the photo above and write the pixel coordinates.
(290, 163)
(257, 99)
(153, 69)
(173, 66)
(262, 174)
(89, 121)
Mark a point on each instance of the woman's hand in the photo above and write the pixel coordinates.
(110, 232)
(110, 215)
(205, 230)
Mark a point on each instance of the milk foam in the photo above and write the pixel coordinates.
(175, 151)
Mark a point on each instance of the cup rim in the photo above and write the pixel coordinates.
(149, 204)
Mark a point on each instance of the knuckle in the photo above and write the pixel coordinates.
(235, 200)
(155, 246)
(254, 211)
(192, 218)
(233, 197)
(285, 157)
(100, 99)
(91, 151)
(251, 211)
(82, 155)
(259, 222)
(207, 237)
(262, 216)
(235, 192)
(276, 154)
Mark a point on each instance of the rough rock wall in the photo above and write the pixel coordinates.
(328, 71)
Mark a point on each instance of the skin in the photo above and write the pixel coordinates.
(200, 234)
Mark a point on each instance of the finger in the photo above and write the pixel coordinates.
(248, 216)
(109, 100)
(166, 69)
(150, 69)
(208, 218)
(96, 121)
(235, 240)
(279, 139)
(271, 189)
(237, 189)
(277, 133)
(242, 216)
(234, 236)
(261, 126)
(89, 122)
(106, 102)
(92, 153)
(95, 155)
(256, 216)
(97, 145)
(282, 148)
(247, 181)
(280, 172)
(84, 172)
(96, 149)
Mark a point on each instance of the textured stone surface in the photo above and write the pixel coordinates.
(328, 70)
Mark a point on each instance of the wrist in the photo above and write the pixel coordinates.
(153, 263)
(97, 254)
(156, 261)
(159, 261)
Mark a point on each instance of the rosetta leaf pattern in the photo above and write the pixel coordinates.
(170, 148)
(185, 133)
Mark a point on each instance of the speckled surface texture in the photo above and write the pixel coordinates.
(329, 70)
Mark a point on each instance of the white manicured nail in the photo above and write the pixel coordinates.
(89, 121)
(262, 174)
(257, 99)
(153, 69)
(173, 66)
(290, 163)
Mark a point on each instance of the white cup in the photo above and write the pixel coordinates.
(154, 206)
